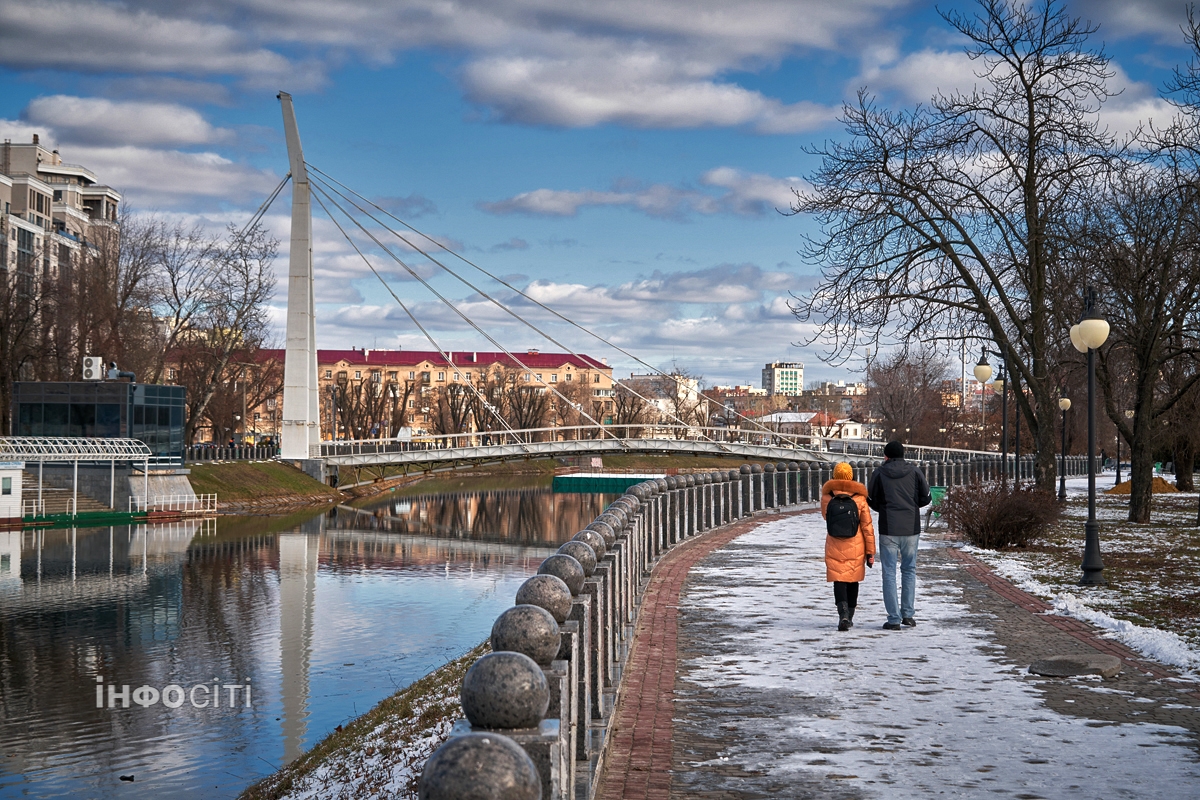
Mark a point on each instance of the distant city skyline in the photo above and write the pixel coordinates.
(624, 163)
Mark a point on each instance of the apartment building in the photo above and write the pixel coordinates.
(51, 210)
(400, 388)
(783, 378)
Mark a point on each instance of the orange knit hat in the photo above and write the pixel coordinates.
(843, 472)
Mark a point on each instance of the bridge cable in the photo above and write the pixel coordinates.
(450, 305)
(578, 407)
(501, 281)
(445, 354)
(509, 311)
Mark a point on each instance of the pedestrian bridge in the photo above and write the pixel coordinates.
(428, 453)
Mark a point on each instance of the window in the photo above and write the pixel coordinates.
(412, 376)
(568, 377)
(554, 378)
(596, 378)
(527, 377)
(412, 403)
(539, 377)
(468, 377)
(6, 486)
(391, 376)
(457, 377)
(171, 374)
(358, 374)
(270, 403)
(328, 374)
(377, 376)
(441, 376)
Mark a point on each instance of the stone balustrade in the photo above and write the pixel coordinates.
(538, 708)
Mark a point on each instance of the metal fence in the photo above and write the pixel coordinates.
(203, 452)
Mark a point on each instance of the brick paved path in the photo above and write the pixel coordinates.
(747, 691)
(639, 761)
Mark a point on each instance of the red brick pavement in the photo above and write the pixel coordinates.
(638, 765)
(1082, 631)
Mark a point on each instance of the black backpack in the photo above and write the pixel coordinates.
(841, 517)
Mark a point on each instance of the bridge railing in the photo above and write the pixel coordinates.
(862, 448)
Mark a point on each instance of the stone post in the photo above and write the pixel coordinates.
(768, 480)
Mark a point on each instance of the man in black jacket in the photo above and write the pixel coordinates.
(897, 491)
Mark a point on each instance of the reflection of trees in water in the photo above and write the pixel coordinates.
(515, 516)
(381, 551)
(229, 590)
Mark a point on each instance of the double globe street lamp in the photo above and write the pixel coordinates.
(1088, 335)
(983, 371)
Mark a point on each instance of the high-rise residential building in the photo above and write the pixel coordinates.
(52, 210)
(783, 378)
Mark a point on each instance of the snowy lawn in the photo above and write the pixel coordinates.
(935, 710)
(380, 754)
(1152, 600)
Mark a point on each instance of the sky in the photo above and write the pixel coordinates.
(627, 163)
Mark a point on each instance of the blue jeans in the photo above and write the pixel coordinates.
(904, 550)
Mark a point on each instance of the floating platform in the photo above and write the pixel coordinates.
(599, 482)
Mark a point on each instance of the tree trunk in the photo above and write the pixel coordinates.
(1185, 463)
(1141, 467)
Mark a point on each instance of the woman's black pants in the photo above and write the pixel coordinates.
(844, 592)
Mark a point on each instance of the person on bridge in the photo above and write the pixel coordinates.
(898, 490)
(850, 539)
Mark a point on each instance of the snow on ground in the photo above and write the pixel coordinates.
(931, 710)
(1042, 574)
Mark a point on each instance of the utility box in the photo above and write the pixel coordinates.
(10, 490)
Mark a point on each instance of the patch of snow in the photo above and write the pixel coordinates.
(908, 714)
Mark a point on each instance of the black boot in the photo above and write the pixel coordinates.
(850, 615)
(844, 616)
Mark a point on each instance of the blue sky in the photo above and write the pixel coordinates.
(621, 160)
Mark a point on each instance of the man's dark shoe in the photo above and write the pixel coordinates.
(909, 621)
(891, 626)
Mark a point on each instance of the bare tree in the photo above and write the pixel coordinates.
(948, 216)
(904, 392)
(1140, 240)
(21, 300)
(235, 322)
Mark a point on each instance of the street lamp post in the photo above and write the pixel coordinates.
(983, 371)
(1065, 404)
(1117, 480)
(1087, 336)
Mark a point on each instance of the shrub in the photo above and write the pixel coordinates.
(996, 516)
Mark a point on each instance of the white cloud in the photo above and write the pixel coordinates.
(92, 120)
(663, 64)
(921, 75)
(173, 178)
(743, 194)
(107, 37)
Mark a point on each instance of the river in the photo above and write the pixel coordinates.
(321, 617)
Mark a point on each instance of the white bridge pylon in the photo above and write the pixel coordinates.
(301, 411)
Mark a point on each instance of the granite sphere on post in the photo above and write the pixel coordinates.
(734, 474)
(672, 482)
(582, 553)
(634, 501)
(606, 531)
(619, 512)
(593, 540)
(528, 629)
(793, 466)
(480, 766)
(781, 466)
(689, 480)
(768, 468)
(613, 520)
(744, 469)
(756, 469)
(548, 592)
(662, 484)
(565, 568)
(505, 690)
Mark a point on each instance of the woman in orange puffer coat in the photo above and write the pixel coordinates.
(844, 558)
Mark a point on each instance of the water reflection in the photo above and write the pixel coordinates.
(323, 617)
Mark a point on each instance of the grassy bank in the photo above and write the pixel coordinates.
(381, 753)
(254, 481)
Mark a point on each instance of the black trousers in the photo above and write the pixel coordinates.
(845, 592)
